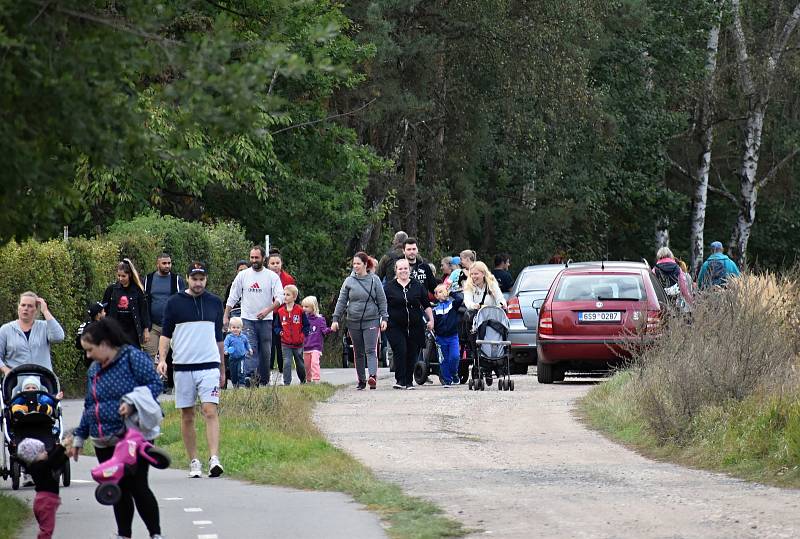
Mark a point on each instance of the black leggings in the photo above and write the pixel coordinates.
(134, 489)
(405, 350)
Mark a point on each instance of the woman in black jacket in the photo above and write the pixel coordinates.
(126, 303)
(409, 313)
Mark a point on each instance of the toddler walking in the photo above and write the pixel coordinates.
(317, 328)
(294, 328)
(237, 346)
(44, 467)
(446, 322)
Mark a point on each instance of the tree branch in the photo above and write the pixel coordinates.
(677, 166)
(332, 117)
(237, 13)
(774, 171)
(722, 190)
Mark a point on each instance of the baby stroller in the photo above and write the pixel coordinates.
(429, 361)
(490, 350)
(46, 427)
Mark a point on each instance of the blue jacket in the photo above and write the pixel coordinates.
(446, 317)
(731, 269)
(105, 387)
(236, 346)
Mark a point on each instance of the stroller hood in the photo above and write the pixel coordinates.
(13, 381)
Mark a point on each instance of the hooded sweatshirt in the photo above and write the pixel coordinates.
(361, 300)
(317, 328)
(194, 323)
(704, 277)
(671, 269)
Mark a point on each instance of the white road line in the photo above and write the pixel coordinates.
(81, 481)
(193, 509)
(201, 522)
(207, 536)
(172, 499)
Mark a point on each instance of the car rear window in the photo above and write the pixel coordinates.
(597, 287)
(538, 279)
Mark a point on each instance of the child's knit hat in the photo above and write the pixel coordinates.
(28, 449)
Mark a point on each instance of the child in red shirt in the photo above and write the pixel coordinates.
(294, 328)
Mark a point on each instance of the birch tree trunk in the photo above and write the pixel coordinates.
(758, 98)
(705, 136)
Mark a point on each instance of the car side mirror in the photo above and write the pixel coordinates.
(537, 304)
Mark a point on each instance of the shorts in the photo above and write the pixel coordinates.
(191, 384)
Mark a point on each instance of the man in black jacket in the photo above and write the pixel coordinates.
(159, 286)
(420, 270)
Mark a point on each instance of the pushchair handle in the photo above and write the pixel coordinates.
(501, 343)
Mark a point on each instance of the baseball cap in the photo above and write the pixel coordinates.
(197, 268)
(95, 308)
(716, 245)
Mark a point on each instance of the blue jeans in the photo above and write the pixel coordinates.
(450, 358)
(235, 365)
(259, 334)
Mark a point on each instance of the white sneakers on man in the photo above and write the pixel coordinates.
(214, 467)
(195, 468)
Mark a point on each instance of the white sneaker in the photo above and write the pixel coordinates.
(214, 467)
(195, 468)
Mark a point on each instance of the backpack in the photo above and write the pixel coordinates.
(669, 280)
(716, 274)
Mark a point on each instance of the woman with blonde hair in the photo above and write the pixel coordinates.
(126, 303)
(481, 288)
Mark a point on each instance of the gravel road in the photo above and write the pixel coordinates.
(518, 464)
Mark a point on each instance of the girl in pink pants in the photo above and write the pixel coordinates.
(312, 347)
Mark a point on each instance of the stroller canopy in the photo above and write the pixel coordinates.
(491, 324)
(47, 379)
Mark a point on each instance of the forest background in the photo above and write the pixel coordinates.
(591, 128)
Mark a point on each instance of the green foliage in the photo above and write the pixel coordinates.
(13, 514)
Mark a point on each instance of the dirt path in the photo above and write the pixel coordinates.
(519, 465)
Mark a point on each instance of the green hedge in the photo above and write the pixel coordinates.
(69, 275)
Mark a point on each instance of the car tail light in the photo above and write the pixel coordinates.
(653, 321)
(513, 311)
(546, 321)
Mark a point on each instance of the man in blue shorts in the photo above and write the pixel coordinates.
(193, 328)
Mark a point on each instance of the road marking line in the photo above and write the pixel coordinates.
(172, 499)
(81, 481)
(207, 536)
(192, 509)
(201, 522)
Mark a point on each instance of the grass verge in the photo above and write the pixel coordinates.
(757, 438)
(269, 437)
(13, 514)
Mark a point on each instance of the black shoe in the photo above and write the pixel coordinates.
(361, 386)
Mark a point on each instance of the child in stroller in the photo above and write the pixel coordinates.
(489, 346)
(29, 413)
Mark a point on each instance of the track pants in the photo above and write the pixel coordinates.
(365, 348)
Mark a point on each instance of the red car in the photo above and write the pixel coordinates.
(593, 316)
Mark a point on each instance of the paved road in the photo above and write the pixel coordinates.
(212, 508)
(519, 465)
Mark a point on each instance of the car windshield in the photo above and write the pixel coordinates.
(600, 287)
(539, 279)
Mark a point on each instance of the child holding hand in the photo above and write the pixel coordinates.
(44, 467)
(445, 326)
(294, 328)
(312, 347)
(237, 346)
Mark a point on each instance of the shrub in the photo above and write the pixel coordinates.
(739, 342)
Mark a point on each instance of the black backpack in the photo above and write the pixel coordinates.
(716, 274)
(668, 277)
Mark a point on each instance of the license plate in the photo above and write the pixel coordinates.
(600, 316)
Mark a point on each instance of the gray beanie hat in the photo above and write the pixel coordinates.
(28, 449)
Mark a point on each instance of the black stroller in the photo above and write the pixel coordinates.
(44, 426)
(490, 350)
(429, 361)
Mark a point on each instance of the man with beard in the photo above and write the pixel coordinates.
(420, 270)
(193, 329)
(260, 292)
(159, 286)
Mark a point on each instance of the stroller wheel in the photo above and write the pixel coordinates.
(471, 384)
(66, 474)
(160, 456)
(107, 493)
(489, 380)
(511, 385)
(15, 474)
(483, 385)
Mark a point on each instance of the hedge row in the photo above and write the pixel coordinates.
(70, 275)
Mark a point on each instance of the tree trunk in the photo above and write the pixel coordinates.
(705, 136)
(410, 185)
(748, 188)
(662, 233)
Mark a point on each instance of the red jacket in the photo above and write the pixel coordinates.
(294, 326)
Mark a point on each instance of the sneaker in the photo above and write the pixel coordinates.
(156, 536)
(214, 467)
(398, 385)
(27, 480)
(361, 386)
(447, 385)
(410, 387)
(195, 468)
(372, 382)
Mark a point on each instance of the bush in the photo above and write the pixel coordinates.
(70, 275)
(740, 342)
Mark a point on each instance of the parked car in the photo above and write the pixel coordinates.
(593, 316)
(524, 301)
